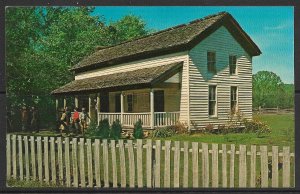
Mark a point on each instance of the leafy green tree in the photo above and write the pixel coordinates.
(270, 91)
(42, 43)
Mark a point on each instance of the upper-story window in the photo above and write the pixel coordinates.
(212, 101)
(232, 64)
(211, 62)
(129, 102)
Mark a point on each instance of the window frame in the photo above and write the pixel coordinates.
(232, 100)
(214, 101)
(231, 64)
(128, 102)
(211, 58)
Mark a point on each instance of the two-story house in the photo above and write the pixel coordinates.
(195, 73)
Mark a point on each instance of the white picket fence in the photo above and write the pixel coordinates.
(73, 162)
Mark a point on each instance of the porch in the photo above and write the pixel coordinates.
(150, 94)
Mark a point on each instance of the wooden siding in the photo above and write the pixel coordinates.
(224, 45)
(141, 100)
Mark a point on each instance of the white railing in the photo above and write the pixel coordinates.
(110, 116)
(165, 118)
(129, 119)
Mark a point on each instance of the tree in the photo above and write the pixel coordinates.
(42, 43)
(270, 91)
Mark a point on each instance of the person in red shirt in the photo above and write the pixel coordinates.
(76, 120)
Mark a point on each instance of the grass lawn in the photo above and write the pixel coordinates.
(282, 134)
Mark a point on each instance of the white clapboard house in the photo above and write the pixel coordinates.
(195, 73)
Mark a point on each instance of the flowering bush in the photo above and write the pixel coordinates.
(256, 126)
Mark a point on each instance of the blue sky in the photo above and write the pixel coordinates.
(271, 28)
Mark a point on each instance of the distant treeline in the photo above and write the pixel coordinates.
(269, 91)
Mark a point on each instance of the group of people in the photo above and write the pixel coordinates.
(30, 119)
(76, 122)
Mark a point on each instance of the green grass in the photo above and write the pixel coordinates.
(282, 134)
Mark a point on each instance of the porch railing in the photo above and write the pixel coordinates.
(129, 119)
(165, 118)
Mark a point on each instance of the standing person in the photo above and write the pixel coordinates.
(76, 120)
(68, 118)
(63, 121)
(35, 120)
(83, 120)
(24, 118)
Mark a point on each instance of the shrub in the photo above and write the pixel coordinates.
(116, 130)
(103, 128)
(179, 128)
(92, 128)
(138, 130)
(256, 126)
(163, 132)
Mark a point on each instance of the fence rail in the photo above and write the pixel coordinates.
(73, 162)
(275, 110)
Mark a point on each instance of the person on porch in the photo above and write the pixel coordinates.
(76, 120)
(35, 120)
(24, 118)
(83, 120)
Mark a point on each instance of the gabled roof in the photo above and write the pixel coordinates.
(175, 39)
(139, 78)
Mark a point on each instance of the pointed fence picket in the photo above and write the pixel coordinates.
(74, 162)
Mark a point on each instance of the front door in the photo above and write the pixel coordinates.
(104, 102)
(159, 101)
(118, 102)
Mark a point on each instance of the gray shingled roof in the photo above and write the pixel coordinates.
(145, 77)
(176, 38)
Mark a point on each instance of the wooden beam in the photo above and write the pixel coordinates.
(65, 102)
(152, 108)
(76, 101)
(122, 106)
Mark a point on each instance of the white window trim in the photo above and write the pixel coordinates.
(237, 99)
(236, 65)
(216, 105)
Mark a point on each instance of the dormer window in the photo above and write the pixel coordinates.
(211, 62)
(232, 64)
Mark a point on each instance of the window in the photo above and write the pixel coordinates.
(211, 62)
(212, 100)
(232, 64)
(129, 102)
(233, 98)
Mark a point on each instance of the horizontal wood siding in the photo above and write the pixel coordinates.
(224, 45)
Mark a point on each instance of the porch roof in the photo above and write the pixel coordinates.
(140, 78)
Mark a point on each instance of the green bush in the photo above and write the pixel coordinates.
(92, 128)
(116, 130)
(138, 130)
(103, 129)
(163, 132)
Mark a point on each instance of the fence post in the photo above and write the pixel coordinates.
(195, 153)
(67, 162)
(242, 166)
(274, 166)
(157, 163)
(205, 165)
(82, 162)
(20, 158)
(149, 163)
(89, 162)
(253, 166)
(232, 157)
(114, 162)
(53, 160)
(74, 162)
(39, 156)
(8, 157)
(97, 162)
(131, 164)
(60, 160)
(46, 160)
(224, 165)
(176, 164)
(14, 156)
(26, 158)
(32, 152)
(167, 164)
(139, 161)
(215, 165)
(186, 164)
(264, 166)
(286, 167)
(122, 163)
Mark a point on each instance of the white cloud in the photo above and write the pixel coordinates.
(280, 26)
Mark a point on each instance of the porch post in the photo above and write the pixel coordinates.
(76, 101)
(122, 107)
(90, 107)
(56, 104)
(65, 102)
(152, 108)
(98, 107)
